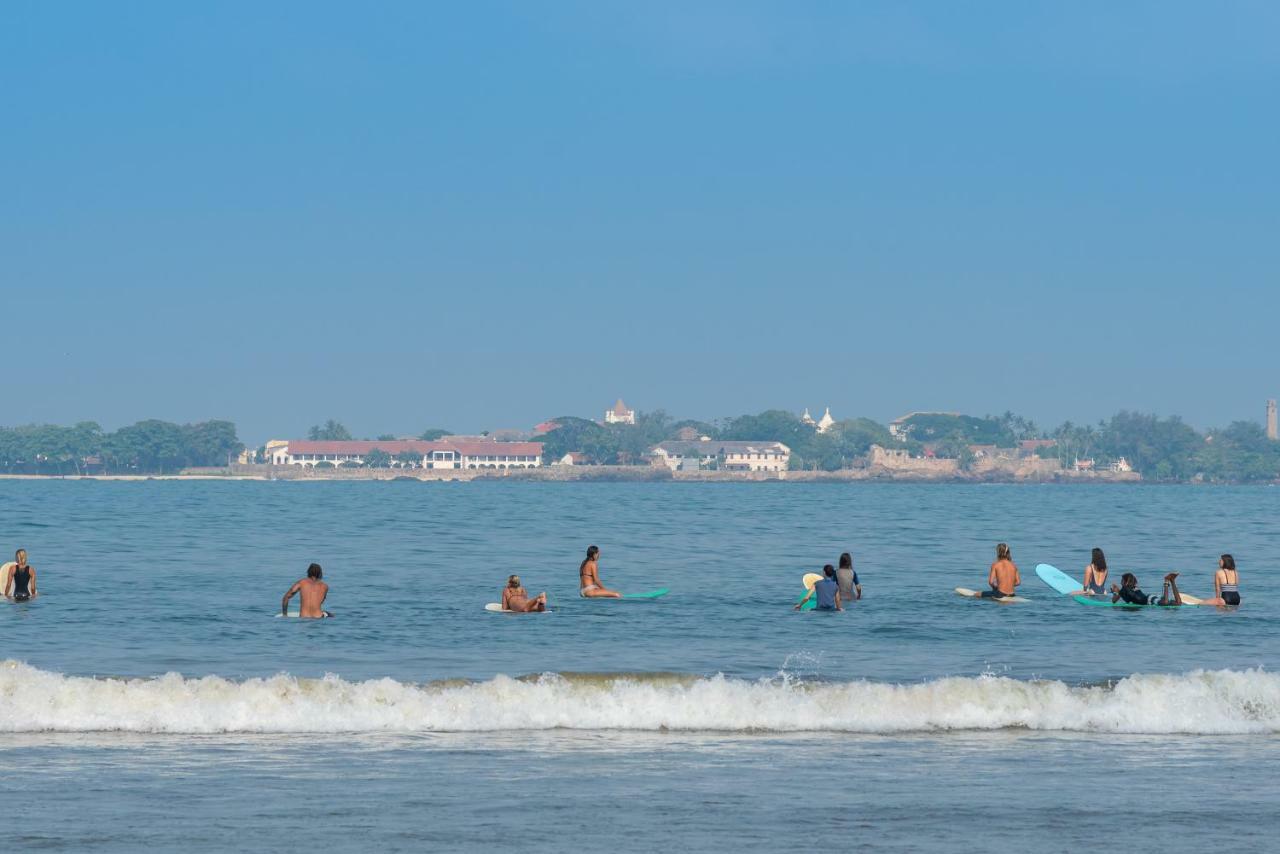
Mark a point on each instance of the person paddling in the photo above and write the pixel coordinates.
(589, 584)
(312, 592)
(19, 579)
(1129, 592)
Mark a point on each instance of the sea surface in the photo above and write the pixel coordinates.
(150, 698)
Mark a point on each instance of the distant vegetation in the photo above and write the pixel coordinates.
(1162, 449)
(148, 447)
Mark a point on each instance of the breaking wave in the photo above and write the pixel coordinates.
(1202, 702)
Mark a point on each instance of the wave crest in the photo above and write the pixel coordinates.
(1200, 702)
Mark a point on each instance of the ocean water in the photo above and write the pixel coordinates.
(150, 697)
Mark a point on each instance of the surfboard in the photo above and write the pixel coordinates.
(295, 615)
(973, 594)
(496, 608)
(646, 596)
(809, 579)
(1107, 603)
(1057, 579)
(4, 570)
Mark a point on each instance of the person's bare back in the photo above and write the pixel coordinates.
(1004, 576)
(311, 593)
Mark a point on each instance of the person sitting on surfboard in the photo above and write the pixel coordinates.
(827, 590)
(1095, 574)
(515, 598)
(1003, 577)
(1129, 592)
(312, 592)
(589, 577)
(19, 582)
(1226, 584)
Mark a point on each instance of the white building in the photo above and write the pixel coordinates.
(823, 424)
(451, 452)
(724, 455)
(620, 414)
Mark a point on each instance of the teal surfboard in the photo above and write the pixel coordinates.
(1057, 579)
(1107, 603)
(652, 594)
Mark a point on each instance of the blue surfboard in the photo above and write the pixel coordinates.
(1057, 579)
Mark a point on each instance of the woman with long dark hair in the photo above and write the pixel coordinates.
(1095, 574)
(590, 585)
(1226, 584)
(850, 589)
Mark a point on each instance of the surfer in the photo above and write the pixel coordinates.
(850, 589)
(312, 592)
(1003, 577)
(1095, 574)
(1129, 592)
(827, 590)
(1226, 584)
(590, 585)
(19, 579)
(515, 598)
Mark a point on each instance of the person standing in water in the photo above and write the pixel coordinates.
(312, 592)
(850, 589)
(515, 598)
(1226, 584)
(589, 584)
(20, 579)
(1003, 577)
(827, 590)
(1095, 574)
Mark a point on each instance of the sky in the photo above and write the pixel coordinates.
(480, 215)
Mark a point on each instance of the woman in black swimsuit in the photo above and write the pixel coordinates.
(20, 581)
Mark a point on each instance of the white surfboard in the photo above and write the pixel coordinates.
(496, 608)
(974, 594)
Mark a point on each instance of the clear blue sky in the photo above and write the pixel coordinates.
(481, 214)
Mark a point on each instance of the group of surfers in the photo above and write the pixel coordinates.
(1004, 579)
(838, 586)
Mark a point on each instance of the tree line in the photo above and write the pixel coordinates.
(1161, 448)
(148, 447)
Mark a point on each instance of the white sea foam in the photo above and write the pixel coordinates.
(1208, 702)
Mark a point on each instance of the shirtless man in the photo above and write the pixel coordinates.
(312, 591)
(589, 577)
(1004, 577)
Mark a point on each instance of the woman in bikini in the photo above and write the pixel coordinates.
(589, 577)
(1226, 584)
(515, 598)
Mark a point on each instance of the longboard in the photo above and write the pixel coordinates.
(496, 608)
(973, 594)
(1057, 579)
(810, 579)
(647, 595)
(1187, 599)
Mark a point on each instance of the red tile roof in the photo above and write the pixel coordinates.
(466, 447)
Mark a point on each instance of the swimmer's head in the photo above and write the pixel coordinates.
(513, 581)
(1128, 580)
(846, 561)
(1227, 561)
(314, 571)
(1002, 551)
(829, 571)
(592, 551)
(20, 556)
(1099, 560)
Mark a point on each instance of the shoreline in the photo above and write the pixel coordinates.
(598, 474)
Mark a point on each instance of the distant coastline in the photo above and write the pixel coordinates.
(596, 474)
